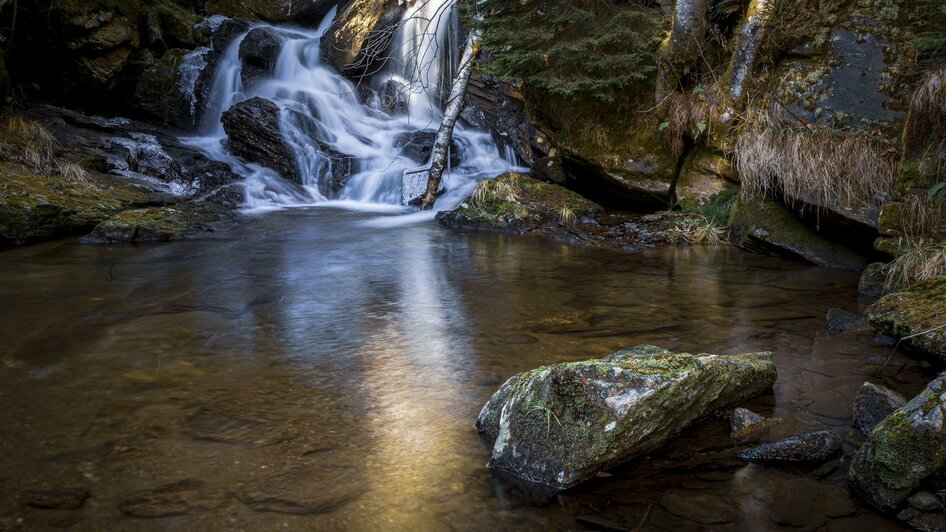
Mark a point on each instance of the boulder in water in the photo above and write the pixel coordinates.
(744, 423)
(253, 132)
(903, 450)
(873, 404)
(418, 145)
(839, 321)
(259, 51)
(918, 311)
(813, 447)
(559, 425)
(357, 42)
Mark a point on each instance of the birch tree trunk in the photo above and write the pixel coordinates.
(445, 134)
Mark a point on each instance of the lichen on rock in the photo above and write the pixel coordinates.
(913, 310)
(560, 424)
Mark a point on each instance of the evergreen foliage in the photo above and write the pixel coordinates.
(933, 43)
(571, 48)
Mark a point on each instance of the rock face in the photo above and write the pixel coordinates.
(308, 12)
(770, 227)
(911, 311)
(813, 447)
(499, 108)
(903, 450)
(559, 425)
(358, 39)
(417, 146)
(252, 128)
(873, 404)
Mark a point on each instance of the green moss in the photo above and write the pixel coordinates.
(918, 308)
(159, 224)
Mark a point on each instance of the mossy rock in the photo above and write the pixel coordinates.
(559, 425)
(768, 226)
(517, 203)
(37, 207)
(160, 224)
(903, 450)
(918, 308)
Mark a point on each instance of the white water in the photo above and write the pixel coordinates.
(309, 93)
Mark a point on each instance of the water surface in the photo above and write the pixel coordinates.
(307, 362)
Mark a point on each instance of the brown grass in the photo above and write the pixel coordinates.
(685, 114)
(29, 143)
(925, 131)
(813, 164)
(917, 260)
(922, 217)
(696, 229)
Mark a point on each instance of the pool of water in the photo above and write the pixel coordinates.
(310, 370)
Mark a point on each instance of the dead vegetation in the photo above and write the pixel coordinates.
(696, 229)
(924, 138)
(812, 163)
(686, 114)
(916, 261)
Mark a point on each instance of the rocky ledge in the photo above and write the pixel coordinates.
(519, 204)
(559, 425)
(917, 313)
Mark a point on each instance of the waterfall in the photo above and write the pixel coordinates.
(323, 116)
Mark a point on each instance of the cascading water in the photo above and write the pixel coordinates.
(321, 112)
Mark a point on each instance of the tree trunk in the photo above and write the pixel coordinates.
(680, 50)
(757, 18)
(445, 135)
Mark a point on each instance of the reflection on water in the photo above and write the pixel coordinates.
(310, 371)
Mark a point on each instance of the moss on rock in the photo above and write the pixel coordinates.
(918, 308)
(560, 424)
(37, 206)
(160, 224)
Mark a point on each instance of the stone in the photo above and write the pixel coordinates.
(903, 450)
(160, 224)
(317, 488)
(700, 507)
(252, 128)
(768, 226)
(873, 404)
(925, 502)
(305, 12)
(839, 321)
(744, 423)
(559, 425)
(418, 145)
(911, 311)
(705, 175)
(873, 281)
(356, 42)
(178, 498)
(499, 107)
(259, 51)
(813, 447)
(157, 94)
(57, 498)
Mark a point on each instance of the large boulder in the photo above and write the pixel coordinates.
(357, 42)
(305, 12)
(903, 450)
(559, 425)
(161, 224)
(418, 145)
(252, 128)
(812, 447)
(918, 312)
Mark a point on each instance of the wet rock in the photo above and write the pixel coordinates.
(157, 92)
(595, 522)
(770, 227)
(252, 128)
(357, 41)
(644, 181)
(705, 175)
(498, 107)
(903, 450)
(559, 425)
(226, 425)
(925, 502)
(744, 423)
(918, 520)
(311, 489)
(700, 507)
(807, 503)
(258, 54)
(839, 321)
(57, 498)
(873, 404)
(911, 311)
(872, 283)
(223, 32)
(179, 498)
(813, 447)
(160, 224)
(417, 146)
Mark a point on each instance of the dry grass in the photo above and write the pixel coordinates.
(493, 190)
(812, 164)
(685, 114)
(925, 131)
(566, 215)
(922, 217)
(696, 229)
(72, 172)
(918, 260)
(29, 143)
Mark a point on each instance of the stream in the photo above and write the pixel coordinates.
(317, 369)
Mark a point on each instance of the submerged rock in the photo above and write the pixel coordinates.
(57, 498)
(839, 321)
(178, 498)
(252, 128)
(813, 447)
(873, 281)
(744, 423)
(873, 404)
(903, 450)
(559, 425)
(909, 312)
